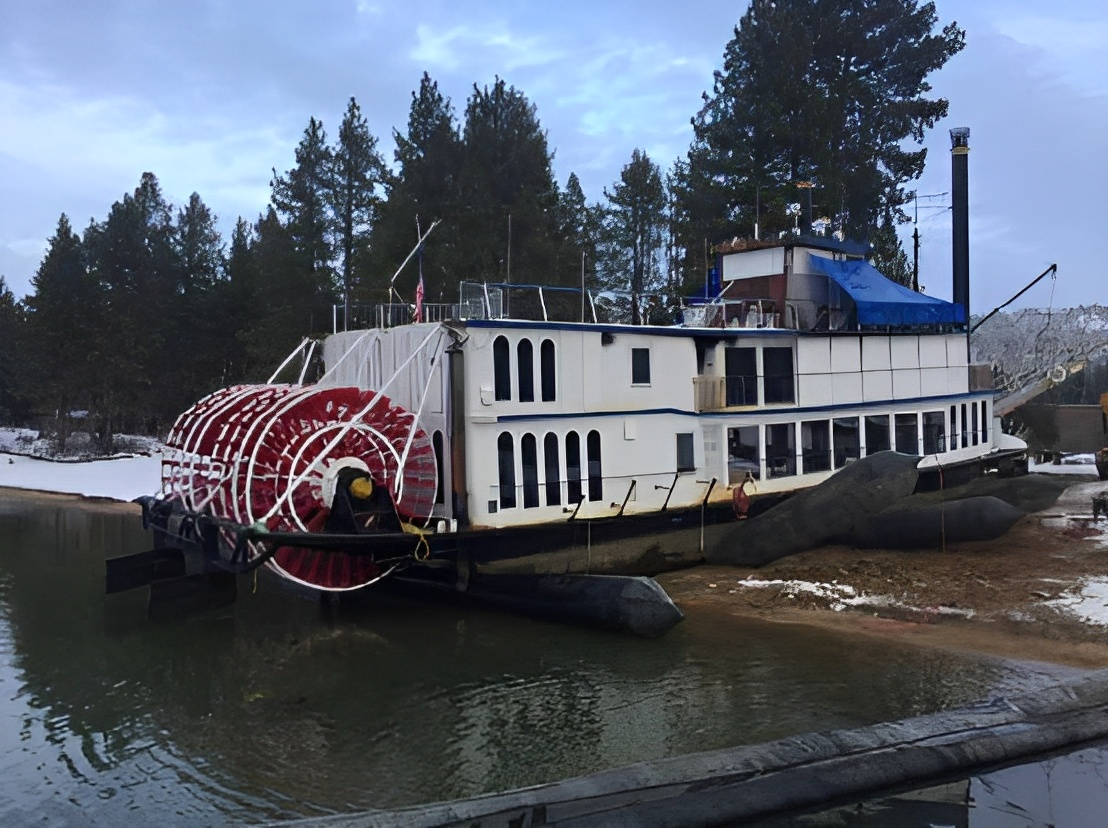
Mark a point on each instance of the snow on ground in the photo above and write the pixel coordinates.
(841, 596)
(123, 477)
(1070, 464)
(1088, 600)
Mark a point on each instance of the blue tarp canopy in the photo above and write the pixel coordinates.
(884, 302)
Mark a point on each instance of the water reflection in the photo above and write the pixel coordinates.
(270, 709)
(1069, 791)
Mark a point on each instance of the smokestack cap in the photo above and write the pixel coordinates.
(959, 138)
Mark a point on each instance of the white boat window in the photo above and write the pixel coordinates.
(845, 440)
(525, 367)
(640, 366)
(740, 367)
(906, 427)
(501, 367)
(506, 460)
(744, 457)
(529, 458)
(553, 470)
(934, 432)
(596, 476)
(547, 371)
(781, 449)
(877, 433)
(777, 366)
(686, 458)
(815, 443)
(573, 468)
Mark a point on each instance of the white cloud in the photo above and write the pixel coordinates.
(468, 44)
(1074, 51)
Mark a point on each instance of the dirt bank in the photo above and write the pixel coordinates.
(105, 504)
(1040, 592)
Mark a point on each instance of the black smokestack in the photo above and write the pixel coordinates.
(959, 158)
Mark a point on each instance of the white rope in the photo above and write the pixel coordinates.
(349, 351)
(347, 426)
(415, 419)
(288, 359)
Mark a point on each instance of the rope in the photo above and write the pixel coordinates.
(412, 529)
(1049, 308)
(942, 504)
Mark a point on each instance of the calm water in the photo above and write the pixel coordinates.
(268, 710)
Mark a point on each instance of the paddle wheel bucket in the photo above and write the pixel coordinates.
(272, 455)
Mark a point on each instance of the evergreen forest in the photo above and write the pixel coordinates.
(819, 108)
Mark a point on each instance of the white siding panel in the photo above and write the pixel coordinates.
(933, 382)
(570, 362)
(905, 351)
(957, 380)
(875, 353)
(906, 383)
(846, 354)
(767, 262)
(876, 386)
(932, 352)
(846, 388)
(813, 356)
(956, 353)
(815, 389)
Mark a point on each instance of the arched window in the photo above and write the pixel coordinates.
(436, 441)
(528, 452)
(596, 478)
(525, 365)
(501, 368)
(549, 386)
(506, 460)
(573, 468)
(553, 480)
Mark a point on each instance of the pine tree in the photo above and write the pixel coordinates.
(508, 191)
(357, 175)
(301, 198)
(424, 190)
(62, 313)
(284, 306)
(15, 380)
(634, 229)
(200, 335)
(133, 257)
(823, 93)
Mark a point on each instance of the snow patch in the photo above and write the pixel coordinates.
(842, 596)
(1088, 601)
(26, 463)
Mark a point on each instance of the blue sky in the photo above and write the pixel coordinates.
(211, 94)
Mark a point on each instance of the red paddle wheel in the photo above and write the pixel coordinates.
(271, 454)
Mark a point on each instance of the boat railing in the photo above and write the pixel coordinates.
(395, 314)
(709, 393)
(718, 393)
(607, 493)
(745, 312)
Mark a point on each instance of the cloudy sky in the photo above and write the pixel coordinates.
(211, 94)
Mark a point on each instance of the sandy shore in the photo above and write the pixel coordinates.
(1039, 593)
